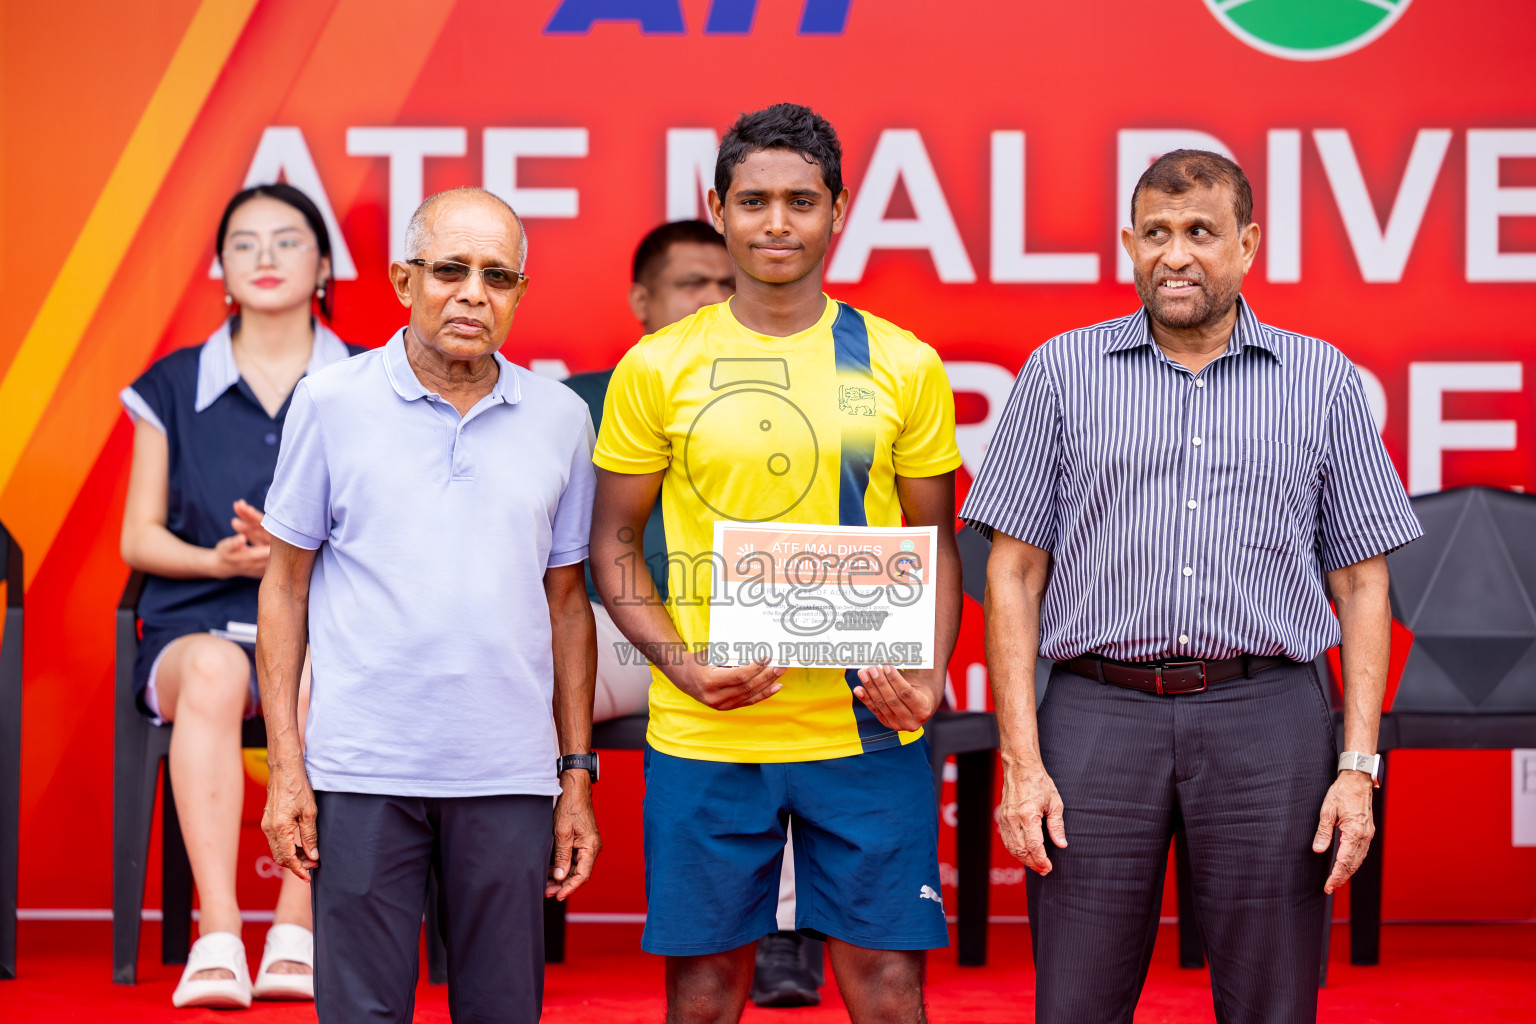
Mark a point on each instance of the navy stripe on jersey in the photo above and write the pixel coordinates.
(1190, 515)
(850, 339)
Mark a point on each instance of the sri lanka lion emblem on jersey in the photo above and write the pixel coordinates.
(855, 401)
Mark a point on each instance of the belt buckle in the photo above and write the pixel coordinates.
(1204, 683)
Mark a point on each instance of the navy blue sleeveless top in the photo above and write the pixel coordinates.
(223, 447)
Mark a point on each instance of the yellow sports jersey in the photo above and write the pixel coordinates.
(812, 428)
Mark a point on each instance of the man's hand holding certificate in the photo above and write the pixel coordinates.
(896, 701)
(726, 688)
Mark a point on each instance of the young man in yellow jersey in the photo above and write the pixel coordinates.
(678, 269)
(780, 405)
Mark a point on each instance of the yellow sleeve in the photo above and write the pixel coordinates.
(926, 445)
(632, 438)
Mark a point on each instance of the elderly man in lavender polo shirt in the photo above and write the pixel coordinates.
(429, 516)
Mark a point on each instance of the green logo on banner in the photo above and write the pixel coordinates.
(1307, 29)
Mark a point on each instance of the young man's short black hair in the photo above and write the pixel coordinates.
(781, 126)
(1183, 169)
(654, 246)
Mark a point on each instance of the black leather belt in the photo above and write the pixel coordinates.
(1170, 676)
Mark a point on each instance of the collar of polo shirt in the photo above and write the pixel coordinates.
(217, 371)
(397, 366)
(1137, 333)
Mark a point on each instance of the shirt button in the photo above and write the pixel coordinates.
(270, 438)
(1195, 441)
(1183, 638)
(1199, 382)
(1192, 504)
(1188, 571)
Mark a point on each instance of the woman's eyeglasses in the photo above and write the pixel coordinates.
(246, 252)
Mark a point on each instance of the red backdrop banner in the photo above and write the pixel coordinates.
(990, 147)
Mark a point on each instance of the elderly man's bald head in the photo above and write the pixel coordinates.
(419, 232)
(462, 281)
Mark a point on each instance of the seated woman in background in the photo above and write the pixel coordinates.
(207, 422)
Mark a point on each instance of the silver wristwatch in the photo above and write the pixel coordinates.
(1353, 760)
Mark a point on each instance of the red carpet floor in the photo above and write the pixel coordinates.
(1429, 973)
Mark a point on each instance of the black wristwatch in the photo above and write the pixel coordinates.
(576, 762)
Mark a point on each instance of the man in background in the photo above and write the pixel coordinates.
(679, 268)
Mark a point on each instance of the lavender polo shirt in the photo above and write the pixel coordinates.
(428, 626)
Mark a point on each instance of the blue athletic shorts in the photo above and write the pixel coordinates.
(866, 835)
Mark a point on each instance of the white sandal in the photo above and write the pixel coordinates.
(287, 943)
(214, 951)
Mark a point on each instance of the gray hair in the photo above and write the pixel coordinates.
(417, 232)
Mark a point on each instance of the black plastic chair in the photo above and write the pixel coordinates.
(1467, 590)
(969, 736)
(138, 750)
(10, 746)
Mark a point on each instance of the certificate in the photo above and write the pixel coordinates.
(814, 596)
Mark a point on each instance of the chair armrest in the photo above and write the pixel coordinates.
(627, 733)
(132, 591)
(1425, 731)
(11, 566)
(127, 641)
(962, 732)
(974, 551)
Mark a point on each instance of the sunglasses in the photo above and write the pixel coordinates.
(454, 272)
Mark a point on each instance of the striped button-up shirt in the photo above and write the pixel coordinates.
(1190, 515)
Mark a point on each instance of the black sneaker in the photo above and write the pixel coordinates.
(782, 976)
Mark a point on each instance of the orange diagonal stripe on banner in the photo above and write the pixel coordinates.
(55, 334)
(324, 66)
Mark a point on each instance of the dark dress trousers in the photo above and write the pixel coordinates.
(490, 855)
(1189, 517)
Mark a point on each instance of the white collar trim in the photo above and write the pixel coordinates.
(217, 371)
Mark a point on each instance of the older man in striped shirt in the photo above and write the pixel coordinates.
(1174, 497)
